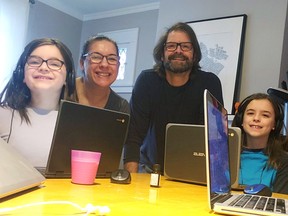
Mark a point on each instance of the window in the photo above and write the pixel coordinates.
(122, 67)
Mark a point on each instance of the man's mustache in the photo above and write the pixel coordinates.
(178, 56)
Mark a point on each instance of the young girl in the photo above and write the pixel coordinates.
(44, 75)
(263, 160)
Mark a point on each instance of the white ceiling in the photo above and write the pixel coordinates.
(95, 9)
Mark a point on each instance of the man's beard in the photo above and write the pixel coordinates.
(178, 67)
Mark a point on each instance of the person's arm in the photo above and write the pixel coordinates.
(140, 105)
(5, 116)
(132, 167)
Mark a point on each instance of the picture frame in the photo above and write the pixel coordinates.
(222, 43)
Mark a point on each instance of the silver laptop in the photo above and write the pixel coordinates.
(185, 153)
(17, 174)
(220, 198)
(86, 128)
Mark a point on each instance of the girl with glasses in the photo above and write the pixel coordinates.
(44, 75)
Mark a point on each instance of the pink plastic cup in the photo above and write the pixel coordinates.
(84, 166)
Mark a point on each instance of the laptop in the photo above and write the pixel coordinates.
(17, 174)
(220, 198)
(86, 128)
(185, 153)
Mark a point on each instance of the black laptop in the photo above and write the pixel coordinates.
(185, 153)
(87, 128)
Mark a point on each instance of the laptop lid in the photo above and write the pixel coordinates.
(216, 146)
(17, 174)
(184, 156)
(185, 153)
(86, 128)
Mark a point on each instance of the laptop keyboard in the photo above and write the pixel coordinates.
(219, 198)
(260, 203)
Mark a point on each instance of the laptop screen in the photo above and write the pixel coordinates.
(17, 174)
(216, 126)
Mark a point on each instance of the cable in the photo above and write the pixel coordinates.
(11, 124)
(88, 209)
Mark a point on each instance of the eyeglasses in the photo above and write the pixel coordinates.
(36, 61)
(98, 58)
(172, 46)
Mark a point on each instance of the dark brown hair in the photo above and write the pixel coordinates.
(94, 39)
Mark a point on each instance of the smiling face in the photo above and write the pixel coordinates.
(100, 74)
(178, 61)
(42, 78)
(259, 120)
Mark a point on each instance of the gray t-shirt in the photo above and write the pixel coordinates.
(33, 140)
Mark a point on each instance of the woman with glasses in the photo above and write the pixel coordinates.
(100, 63)
(44, 75)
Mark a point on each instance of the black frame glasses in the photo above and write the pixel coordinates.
(97, 58)
(37, 61)
(172, 46)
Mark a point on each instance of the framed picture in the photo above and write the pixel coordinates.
(222, 41)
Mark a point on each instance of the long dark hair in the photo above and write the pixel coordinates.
(158, 52)
(16, 93)
(276, 142)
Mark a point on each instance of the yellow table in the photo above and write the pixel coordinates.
(137, 198)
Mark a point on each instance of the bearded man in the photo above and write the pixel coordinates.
(171, 92)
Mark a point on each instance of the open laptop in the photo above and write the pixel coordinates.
(220, 198)
(185, 153)
(17, 174)
(86, 128)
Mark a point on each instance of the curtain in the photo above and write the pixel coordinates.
(13, 26)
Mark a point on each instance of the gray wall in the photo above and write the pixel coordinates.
(264, 34)
(45, 21)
